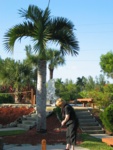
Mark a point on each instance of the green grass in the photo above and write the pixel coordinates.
(12, 132)
(93, 143)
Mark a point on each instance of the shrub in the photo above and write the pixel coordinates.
(10, 114)
(6, 98)
(107, 118)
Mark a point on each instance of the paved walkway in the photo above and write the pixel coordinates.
(100, 136)
(48, 147)
(38, 147)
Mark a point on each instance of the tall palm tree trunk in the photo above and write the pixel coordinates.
(51, 73)
(41, 95)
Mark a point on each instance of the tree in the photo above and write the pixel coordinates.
(80, 83)
(66, 90)
(31, 60)
(106, 64)
(43, 29)
(89, 83)
(55, 59)
(15, 74)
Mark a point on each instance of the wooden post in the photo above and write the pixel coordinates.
(32, 97)
(83, 104)
(43, 143)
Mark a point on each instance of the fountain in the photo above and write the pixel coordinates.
(51, 97)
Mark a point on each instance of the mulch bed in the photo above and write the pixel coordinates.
(34, 138)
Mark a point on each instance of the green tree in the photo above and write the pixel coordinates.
(55, 59)
(66, 90)
(15, 74)
(32, 60)
(106, 63)
(89, 84)
(43, 29)
(107, 118)
(80, 83)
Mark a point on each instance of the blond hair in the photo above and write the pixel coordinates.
(60, 102)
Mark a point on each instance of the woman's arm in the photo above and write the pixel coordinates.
(65, 119)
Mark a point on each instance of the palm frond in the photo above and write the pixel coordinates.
(16, 33)
(62, 31)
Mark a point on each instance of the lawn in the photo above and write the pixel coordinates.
(93, 143)
(11, 132)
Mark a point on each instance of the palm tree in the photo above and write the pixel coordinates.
(42, 29)
(55, 59)
(16, 74)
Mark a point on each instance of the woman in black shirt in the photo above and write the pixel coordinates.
(70, 120)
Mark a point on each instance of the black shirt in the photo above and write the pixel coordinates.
(68, 110)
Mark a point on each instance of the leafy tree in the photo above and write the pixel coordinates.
(100, 80)
(15, 74)
(32, 60)
(106, 63)
(66, 90)
(108, 88)
(89, 84)
(43, 29)
(107, 118)
(55, 59)
(101, 99)
(80, 83)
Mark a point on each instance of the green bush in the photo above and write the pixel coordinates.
(6, 98)
(107, 118)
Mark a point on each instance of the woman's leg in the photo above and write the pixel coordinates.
(73, 134)
(72, 147)
(67, 146)
(67, 138)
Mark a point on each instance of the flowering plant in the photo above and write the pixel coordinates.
(10, 114)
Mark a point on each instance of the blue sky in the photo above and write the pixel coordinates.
(93, 20)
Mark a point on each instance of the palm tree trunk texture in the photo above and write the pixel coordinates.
(41, 95)
(51, 73)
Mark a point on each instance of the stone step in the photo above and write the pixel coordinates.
(34, 115)
(85, 116)
(87, 120)
(91, 128)
(25, 126)
(29, 118)
(88, 123)
(82, 112)
(30, 122)
(94, 131)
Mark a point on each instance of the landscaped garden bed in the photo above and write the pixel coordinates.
(52, 137)
(11, 114)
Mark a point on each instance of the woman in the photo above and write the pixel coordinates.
(70, 120)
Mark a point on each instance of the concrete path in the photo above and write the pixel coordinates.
(100, 136)
(38, 147)
(48, 147)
